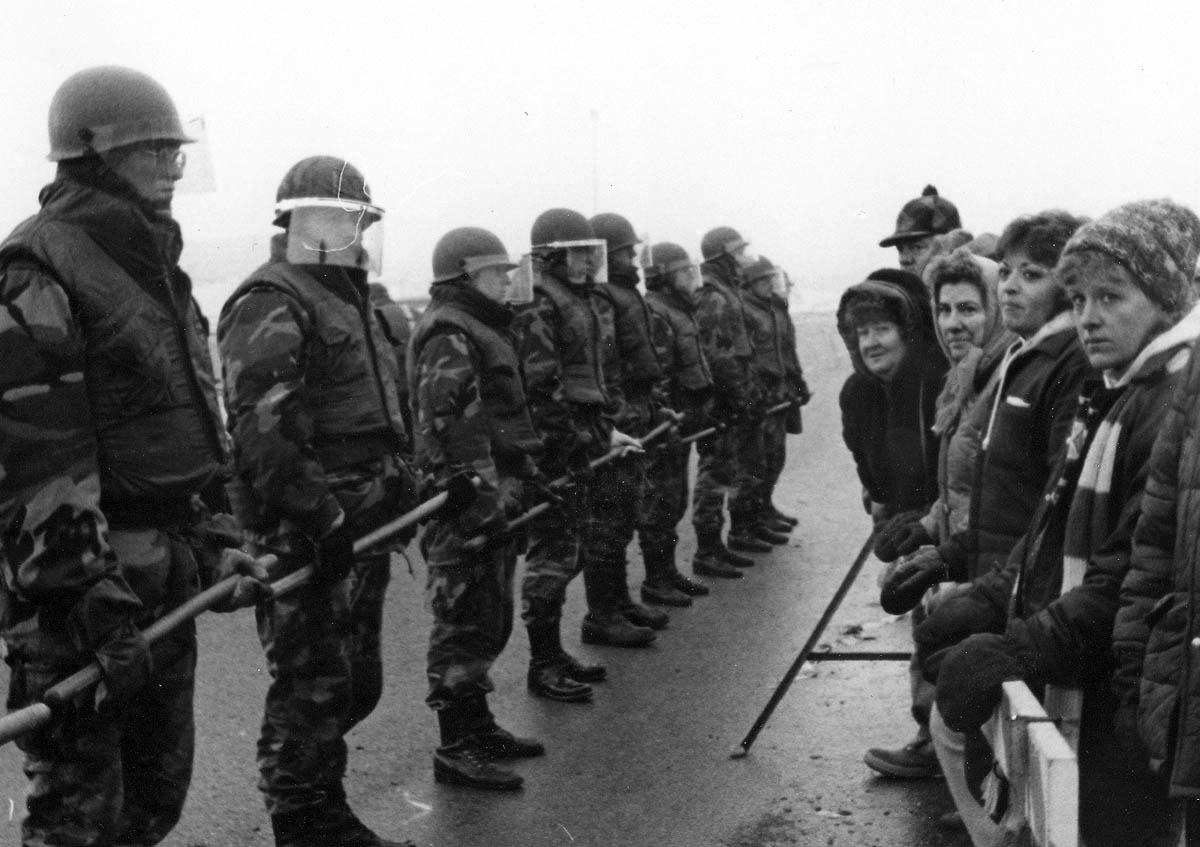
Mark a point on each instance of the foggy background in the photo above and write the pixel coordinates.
(805, 125)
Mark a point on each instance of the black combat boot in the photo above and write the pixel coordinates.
(780, 516)
(743, 538)
(732, 558)
(330, 825)
(462, 758)
(636, 613)
(611, 628)
(659, 587)
(764, 533)
(688, 586)
(776, 525)
(549, 665)
(498, 742)
(605, 622)
(710, 557)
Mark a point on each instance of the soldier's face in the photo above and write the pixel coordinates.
(579, 265)
(621, 260)
(492, 283)
(152, 168)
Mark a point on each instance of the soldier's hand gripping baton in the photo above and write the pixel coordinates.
(475, 544)
(740, 751)
(705, 433)
(35, 715)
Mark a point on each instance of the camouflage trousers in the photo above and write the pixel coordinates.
(774, 454)
(746, 503)
(553, 558)
(665, 500)
(103, 779)
(616, 492)
(323, 654)
(471, 600)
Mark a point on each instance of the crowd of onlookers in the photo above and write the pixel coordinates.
(1023, 414)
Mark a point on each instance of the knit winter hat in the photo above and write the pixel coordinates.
(1157, 241)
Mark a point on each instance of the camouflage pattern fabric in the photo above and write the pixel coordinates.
(100, 779)
(716, 473)
(750, 463)
(774, 453)
(665, 500)
(616, 502)
(323, 655)
(472, 606)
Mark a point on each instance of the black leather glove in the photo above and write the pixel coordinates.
(126, 665)
(897, 529)
(968, 688)
(910, 579)
(335, 557)
(461, 494)
(253, 585)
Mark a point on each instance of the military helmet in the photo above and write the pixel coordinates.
(465, 250)
(665, 257)
(721, 241)
(323, 181)
(760, 268)
(99, 109)
(929, 214)
(554, 225)
(616, 231)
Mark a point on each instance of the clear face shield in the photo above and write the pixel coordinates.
(326, 231)
(686, 277)
(780, 284)
(586, 259)
(520, 282)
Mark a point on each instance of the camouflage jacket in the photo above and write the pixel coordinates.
(639, 366)
(767, 336)
(107, 401)
(723, 332)
(311, 392)
(553, 343)
(469, 401)
(794, 373)
(686, 379)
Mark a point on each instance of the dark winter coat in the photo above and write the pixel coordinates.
(888, 426)
(1154, 637)
(1028, 423)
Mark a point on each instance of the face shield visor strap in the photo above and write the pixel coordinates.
(322, 231)
(521, 282)
(593, 252)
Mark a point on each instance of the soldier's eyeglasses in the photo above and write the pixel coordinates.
(172, 156)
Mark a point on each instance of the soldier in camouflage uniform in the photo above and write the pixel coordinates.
(111, 434)
(559, 339)
(767, 332)
(398, 330)
(311, 393)
(794, 389)
(471, 419)
(671, 281)
(724, 457)
(618, 488)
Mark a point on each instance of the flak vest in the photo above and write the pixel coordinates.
(691, 371)
(500, 386)
(351, 373)
(766, 335)
(640, 367)
(791, 359)
(147, 368)
(579, 337)
(713, 279)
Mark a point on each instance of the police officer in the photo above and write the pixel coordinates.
(311, 392)
(618, 487)
(111, 435)
(732, 456)
(559, 339)
(672, 280)
(471, 419)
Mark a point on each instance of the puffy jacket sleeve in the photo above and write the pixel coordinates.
(56, 549)
(1146, 594)
(858, 435)
(262, 340)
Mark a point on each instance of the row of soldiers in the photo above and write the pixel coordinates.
(121, 492)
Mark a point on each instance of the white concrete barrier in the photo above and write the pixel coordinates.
(1036, 764)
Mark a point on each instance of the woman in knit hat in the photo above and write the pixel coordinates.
(1047, 617)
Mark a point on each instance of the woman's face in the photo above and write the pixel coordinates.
(961, 318)
(1029, 293)
(881, 345)
(1113, 316)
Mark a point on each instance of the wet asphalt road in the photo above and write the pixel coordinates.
(647, 763)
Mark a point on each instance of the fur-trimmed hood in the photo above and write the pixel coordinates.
(905, 297)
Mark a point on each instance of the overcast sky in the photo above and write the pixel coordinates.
(805, 125)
